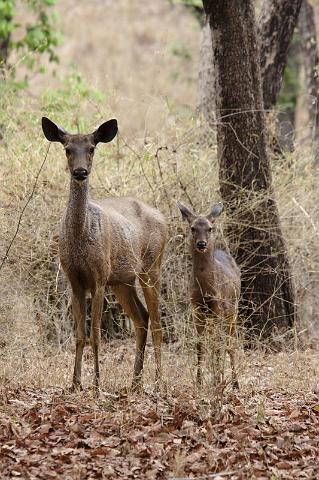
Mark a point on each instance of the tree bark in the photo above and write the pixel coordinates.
(307, 29)
(254, 234)
(4, 52)
(5, 44)
(286, 113)
(276, 27)
(277, 24)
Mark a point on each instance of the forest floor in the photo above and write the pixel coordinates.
(267, 430)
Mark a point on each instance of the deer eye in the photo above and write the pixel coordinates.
(210, 229)
(193, 229)
(68, 151)
(91, 150)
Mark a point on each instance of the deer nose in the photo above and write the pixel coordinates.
(80, 173)
(201, 245)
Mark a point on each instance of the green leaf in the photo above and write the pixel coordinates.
(190, 3)
(38, 35)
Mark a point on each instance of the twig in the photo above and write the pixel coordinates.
(24, 208)
(162, 177)
(306, 215)
(184, 188)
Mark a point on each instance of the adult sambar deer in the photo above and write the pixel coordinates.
(215, 282)
(108, 242)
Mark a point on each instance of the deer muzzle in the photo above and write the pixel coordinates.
(201, 245)
(80, 174)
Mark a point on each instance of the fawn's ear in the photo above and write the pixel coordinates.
(187, 214)
(106, 132)
(215, 211)
(52, 132)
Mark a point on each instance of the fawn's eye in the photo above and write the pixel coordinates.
(67, 151)
(91, 150)
(210, 229)
(193, 229)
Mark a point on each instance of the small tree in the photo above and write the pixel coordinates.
(307, 28)
(245, 176)
(39, 35)
(276, 27)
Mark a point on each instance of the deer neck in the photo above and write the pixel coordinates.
(203, 261)
(77, 208)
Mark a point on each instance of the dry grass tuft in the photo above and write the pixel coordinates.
(161, 164)
(148, 81)
(32, 326)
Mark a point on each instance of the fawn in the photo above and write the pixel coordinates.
(215, 281)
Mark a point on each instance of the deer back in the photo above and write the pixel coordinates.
(138, 234)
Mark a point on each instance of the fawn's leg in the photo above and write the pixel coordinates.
(150, 283)
(199, 319)
(133, 307)
(79, 313)
(231, 349)
(95, 335)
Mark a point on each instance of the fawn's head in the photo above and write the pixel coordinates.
(201, 227)
(79, 149)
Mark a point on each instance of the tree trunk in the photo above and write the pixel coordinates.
(288, 97)
(255, 235)
(4, 53)
(308, 35)
(277, 23)
(276, 27)
(5, 42)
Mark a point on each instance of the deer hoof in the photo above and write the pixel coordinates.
(96, 391)
(160, 387)
(76, 387)
(235, 385)
(199, 381)
(137, 385)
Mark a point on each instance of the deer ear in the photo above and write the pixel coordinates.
(187, 214)
(106, 132)
(52, 132)
(215, 211)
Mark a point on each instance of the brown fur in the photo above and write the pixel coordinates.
(108, 242)
(215, 280)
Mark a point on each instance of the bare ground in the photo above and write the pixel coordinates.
(270, 429)
(267, 430)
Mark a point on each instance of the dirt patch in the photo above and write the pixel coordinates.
(46, 433)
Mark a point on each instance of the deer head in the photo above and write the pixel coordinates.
(79, 148)
(201, 227)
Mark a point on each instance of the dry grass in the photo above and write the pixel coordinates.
(149, 83)
(142, 55)
(181, 170)
(162, 163)
(286, 372)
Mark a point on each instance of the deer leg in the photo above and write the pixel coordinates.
(79, 313)
(199, 320)
(133, 307)
(96, 313)
(199, 349)
(218, 346)
(150, 283)
(231, 351)
(234, 379)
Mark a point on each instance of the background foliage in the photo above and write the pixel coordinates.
(28, 29)
(269, 427)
